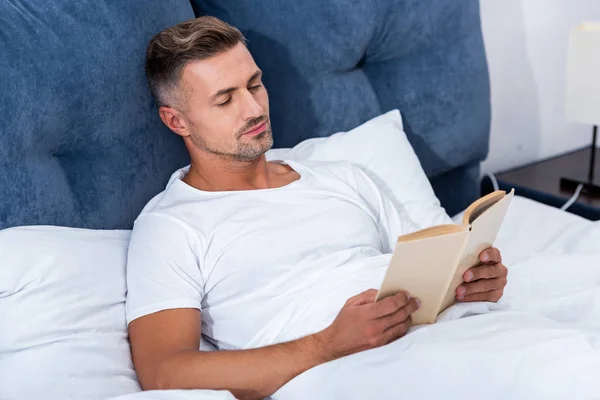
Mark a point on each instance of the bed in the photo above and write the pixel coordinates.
(82, 150)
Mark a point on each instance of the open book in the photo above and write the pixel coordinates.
(430, 263)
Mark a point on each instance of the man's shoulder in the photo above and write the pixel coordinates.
(167, 204)
(337, 168)
(164, 228)
(343, 171)
(159, 205)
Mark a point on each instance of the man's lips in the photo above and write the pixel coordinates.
(256, 130)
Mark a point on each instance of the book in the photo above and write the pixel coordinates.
(430, 263)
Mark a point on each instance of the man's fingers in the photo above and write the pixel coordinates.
(368, 296)
(480, 286)
(390, 305)
(396, 331)
(401, 315)
(491, 255)
(493, 295)
(486, 272)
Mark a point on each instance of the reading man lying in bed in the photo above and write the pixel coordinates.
(275, 262)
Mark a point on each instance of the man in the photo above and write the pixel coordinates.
(274, 262)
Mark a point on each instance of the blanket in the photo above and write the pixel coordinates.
(541, 341)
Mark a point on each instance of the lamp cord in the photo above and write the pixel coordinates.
(573, 198)
(494, 181)
(593, 155)
(568, 204)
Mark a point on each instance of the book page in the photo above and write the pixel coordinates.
(480, 205)
(432, 231)
(484, 230)
(424, 268)
(589, 26)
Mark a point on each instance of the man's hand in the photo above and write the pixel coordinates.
(485, 282)
(363, 324)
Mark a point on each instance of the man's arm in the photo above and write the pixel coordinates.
(166, 356)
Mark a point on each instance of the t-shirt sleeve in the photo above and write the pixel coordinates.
(163, 270)
(394, 220)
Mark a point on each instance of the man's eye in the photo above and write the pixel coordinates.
(223, 104)
(256, 87)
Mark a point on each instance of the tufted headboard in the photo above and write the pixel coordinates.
(81, 143)
(330, 65)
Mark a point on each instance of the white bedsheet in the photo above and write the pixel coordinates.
(542, 341)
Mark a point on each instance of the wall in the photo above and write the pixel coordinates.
(526, 43)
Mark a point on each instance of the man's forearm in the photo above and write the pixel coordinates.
(248, 374)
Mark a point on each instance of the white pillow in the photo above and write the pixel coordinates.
(63, 332)
(381, 149)
(62, 314)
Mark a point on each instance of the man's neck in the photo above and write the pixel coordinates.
(214, 173)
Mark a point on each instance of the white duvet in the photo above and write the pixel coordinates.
(542, 341)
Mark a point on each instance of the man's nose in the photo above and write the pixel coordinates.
(251, 107)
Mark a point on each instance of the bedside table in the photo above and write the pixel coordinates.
(540, 181)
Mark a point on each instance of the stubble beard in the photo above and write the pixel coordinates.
(247, 149)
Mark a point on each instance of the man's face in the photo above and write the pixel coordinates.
(226, 106)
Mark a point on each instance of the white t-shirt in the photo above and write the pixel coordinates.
(260, 264)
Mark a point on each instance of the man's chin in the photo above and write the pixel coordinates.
(265, 141)
(254, 153)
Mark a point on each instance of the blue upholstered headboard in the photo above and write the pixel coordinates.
(81, 143)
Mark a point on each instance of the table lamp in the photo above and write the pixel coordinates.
(583, 95)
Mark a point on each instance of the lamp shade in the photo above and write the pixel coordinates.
(583, 74)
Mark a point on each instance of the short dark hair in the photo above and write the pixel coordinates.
(172, 49)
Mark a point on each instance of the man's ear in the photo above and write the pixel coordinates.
(174, 120)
